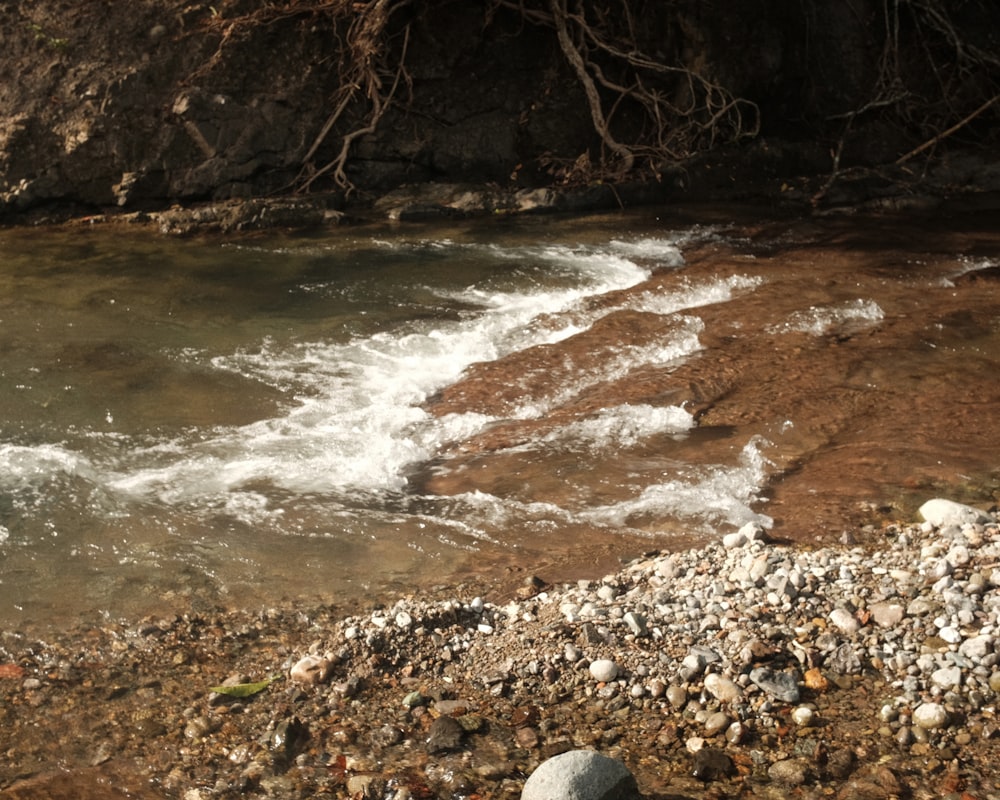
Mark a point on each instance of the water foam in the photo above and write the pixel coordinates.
(622, 426)
(822, 320)
(721, 495)
(25, 467)
(356, 421)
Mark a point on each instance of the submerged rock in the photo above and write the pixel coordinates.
(445, 734)
(712, 764)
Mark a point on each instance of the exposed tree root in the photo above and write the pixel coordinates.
(680, 111)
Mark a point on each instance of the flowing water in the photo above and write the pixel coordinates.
(249, 420)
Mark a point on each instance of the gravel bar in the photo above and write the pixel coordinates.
(745, 668)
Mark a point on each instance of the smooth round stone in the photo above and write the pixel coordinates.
(844, 621)
(930, 716)
(604, 670)
(736, 732)
(581, 775)
(803, 716)
(716, 722)
(722, 688)
(678, 696)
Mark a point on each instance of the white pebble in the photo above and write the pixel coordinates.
(803, 716)
(930, 716)
(844, 620)
(604, 670)
(950, 634)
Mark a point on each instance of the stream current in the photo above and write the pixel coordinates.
(258, 419)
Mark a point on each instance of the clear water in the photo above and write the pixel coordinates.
(247, 420)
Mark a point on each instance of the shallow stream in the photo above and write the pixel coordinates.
(249, 420)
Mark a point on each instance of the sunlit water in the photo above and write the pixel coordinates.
(247, 420)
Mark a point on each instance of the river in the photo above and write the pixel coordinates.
(252, 420)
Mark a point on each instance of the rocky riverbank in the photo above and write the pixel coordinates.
(742, 669)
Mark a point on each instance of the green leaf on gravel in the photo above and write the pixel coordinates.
(244, 689)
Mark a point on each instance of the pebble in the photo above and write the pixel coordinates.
(723, 689)
(678, 696)
(603, 670)
(716, 723)
(790, 772)
(930, 716)
(311, 670)
(803, 716)
(844, 621)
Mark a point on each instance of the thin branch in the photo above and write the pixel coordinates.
(946, 133)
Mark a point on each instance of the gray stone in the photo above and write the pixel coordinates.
(976, 648)
(783, 686)
(636, 623)
(844, 660)
(581, 775)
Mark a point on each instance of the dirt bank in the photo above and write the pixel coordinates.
(112, 107)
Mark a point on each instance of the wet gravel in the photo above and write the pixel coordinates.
(741, 669)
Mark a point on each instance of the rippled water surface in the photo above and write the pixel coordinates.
(248, 420)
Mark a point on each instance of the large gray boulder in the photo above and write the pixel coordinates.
(581, 775)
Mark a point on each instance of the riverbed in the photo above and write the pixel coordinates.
(238, 421)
